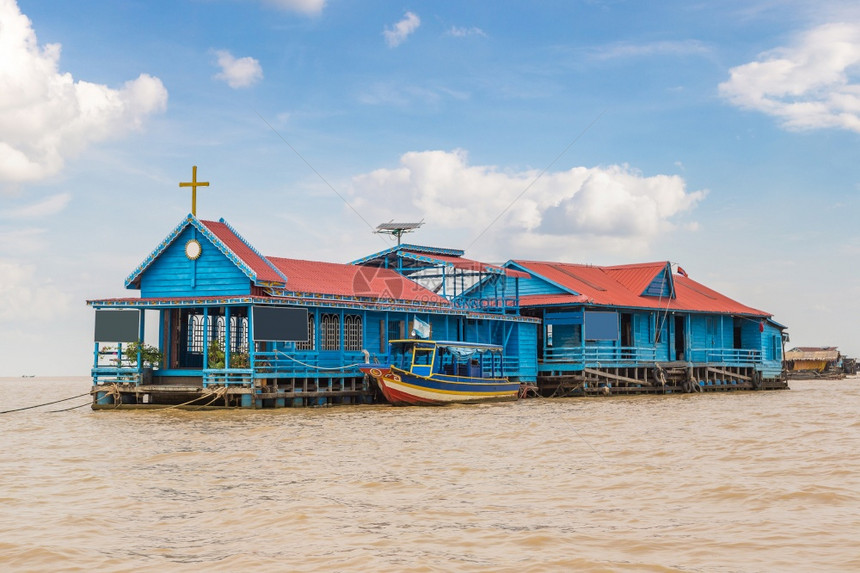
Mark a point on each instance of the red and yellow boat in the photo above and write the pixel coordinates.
(435, 373)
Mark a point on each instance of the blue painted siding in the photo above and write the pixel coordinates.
(661, 333)
(375, 335)
(661, 286)
(538, 286)
(172, 274)
(521, 351)
(493, 286)
(703, 332)
(642, 335)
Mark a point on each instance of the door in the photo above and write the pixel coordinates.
(680, 337)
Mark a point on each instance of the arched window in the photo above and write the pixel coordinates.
(330, 325)
(195, 333)
(311, 343)
(238, 333)
(352, 332)
(218, 335)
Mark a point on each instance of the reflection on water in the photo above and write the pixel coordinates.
(756, 481)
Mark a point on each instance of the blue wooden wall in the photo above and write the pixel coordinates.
(172, 274)
(661, 286)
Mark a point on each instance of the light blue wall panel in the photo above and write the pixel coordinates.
(212, 274)
(659, 287)
(537, 286)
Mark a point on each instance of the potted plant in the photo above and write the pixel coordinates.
(216, 355)
(150, 358)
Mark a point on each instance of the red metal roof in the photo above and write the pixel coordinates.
(611, 286)
(338, 279)
(637, 277)
(256, 262)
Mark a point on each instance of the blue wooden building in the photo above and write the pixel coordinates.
(204, 284)
(642, 328)
(566, 329)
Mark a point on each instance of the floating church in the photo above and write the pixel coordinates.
(237, 328)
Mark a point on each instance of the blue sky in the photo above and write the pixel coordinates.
(720, 136)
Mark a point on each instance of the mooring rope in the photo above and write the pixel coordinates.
(45, 404)
(72, 408)
(219, 392)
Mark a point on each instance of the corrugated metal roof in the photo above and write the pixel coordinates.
(258, 264)
(823, 353)
(601, 287)
(636, 278)
(551, 299)
(315, 277)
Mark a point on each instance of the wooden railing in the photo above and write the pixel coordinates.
(116, 375)
(732, 356)
(593, 355)
(303, 364)
(601, 355)
(228, 377)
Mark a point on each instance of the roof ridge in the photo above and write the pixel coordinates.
(265, 259)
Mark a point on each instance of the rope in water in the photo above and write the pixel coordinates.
(44, 404)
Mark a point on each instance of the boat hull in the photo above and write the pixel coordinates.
(404, 389)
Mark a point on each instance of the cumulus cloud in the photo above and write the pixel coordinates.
(397, 34)
(46, 116)
(238, 73)
(812, 83)
(310, 7)
(616, 203)
(22, 296)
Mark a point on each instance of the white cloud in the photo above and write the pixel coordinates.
(238, 73)
(617, 205)
(398, 33)
(403, 95)
(812, 83)
(22, 296)
(462, 32)
(46, 116)
(663, 48)
(44, 208)
(310, 7)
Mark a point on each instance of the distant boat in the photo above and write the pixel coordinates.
(435, 373)
(28, 375)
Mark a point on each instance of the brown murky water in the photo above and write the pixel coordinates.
(757, 481)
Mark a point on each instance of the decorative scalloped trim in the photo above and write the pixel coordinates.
(162, 246)
(172, 236)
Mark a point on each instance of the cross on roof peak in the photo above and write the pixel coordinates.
(194, 184)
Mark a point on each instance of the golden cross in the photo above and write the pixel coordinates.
(194, 184)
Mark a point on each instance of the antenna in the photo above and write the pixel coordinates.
(397, 229)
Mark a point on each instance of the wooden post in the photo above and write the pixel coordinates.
(227, 337)
(205, 337)
(252, 350)
(140, 331)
